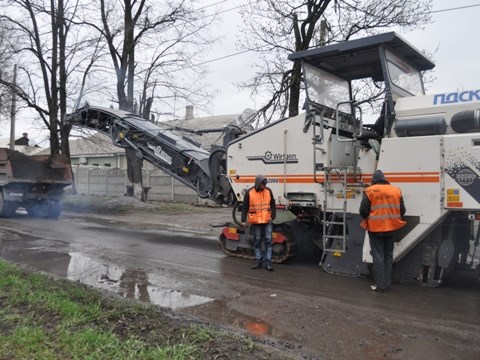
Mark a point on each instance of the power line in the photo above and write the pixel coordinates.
(231, 9)
(429, 12)
(453, 9)
(216, 59)
(210, 5)
(262, 46)
(221, 11)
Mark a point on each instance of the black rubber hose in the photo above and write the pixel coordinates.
(465, 121)
(210, 168)
(234, 214)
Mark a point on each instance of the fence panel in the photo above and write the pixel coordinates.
(112, 182)
(116, 182)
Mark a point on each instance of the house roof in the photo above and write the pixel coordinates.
(97, 144)
(25, 149)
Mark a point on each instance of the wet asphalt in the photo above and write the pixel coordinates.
(299, 307)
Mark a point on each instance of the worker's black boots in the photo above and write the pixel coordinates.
(258, 265)
(269, 266)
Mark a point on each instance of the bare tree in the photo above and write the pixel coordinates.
(275, 28)
(167, 33)
(49, 51)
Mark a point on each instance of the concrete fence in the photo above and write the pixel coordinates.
(113, 182)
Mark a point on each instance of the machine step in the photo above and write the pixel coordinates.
(341, 251)
(335, 237)
(340, 178)
(334, 223)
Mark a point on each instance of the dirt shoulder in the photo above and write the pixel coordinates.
(153, 215)
(43, 317)
(171, 216)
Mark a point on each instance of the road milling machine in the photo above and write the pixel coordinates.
(319, 162)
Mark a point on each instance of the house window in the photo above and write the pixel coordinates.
(94, 164)
(108, 165)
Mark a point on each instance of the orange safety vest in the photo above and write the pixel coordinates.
(384, 209)
(259, 211)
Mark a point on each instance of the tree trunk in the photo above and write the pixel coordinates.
(295, 86)
(64, 136)
(134, 171)
(147, 108)
(53, 101)
(134, 164)
(122, 97)
(62, 42)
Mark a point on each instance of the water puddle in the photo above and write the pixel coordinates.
(219, 312)
(58, 258)
(134, 283)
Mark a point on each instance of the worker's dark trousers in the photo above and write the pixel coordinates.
(262, 232)
(382, 253)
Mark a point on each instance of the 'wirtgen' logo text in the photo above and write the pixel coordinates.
(275, 158)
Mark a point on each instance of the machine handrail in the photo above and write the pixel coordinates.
(337, 122)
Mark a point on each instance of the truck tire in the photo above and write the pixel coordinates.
(7, 209)
(54, 210)
(12, 208)
(38, 209)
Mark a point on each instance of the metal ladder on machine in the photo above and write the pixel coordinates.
(331, 240)
(318, 138)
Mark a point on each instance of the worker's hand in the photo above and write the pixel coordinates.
(244, 224)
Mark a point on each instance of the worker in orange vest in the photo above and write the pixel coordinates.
(259, 207)
(382, 209)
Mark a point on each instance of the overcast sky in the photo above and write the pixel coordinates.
(454, 33)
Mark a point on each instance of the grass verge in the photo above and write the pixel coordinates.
(46, 318)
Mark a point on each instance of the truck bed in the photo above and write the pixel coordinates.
(18, 167)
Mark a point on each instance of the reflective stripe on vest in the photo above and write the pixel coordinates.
(384, 208)
(259, 211)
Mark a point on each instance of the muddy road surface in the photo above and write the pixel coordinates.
(175, 261)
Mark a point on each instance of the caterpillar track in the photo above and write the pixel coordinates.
(237, 241)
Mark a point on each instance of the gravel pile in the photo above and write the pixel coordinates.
(26, 167)
(127, 201)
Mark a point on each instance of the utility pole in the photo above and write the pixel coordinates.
(13, 109)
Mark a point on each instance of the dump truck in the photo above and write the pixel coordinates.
(33, 182)
(319, 163)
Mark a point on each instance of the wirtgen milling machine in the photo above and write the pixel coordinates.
(318, 163)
